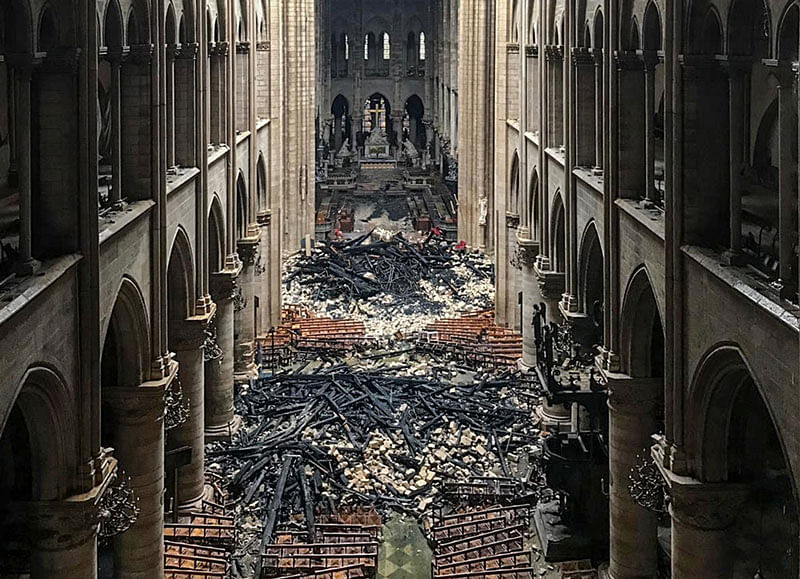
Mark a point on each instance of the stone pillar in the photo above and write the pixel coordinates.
(512, 271)
(598, 110)
(530, 290)
(187, 342)
(702, 515)
(244, 368)
(219, 418)
(68, 549)
(27, 265)
(787, 215)
(650, 61)
(116, 127)
(137, 415)
(172, 54)
(633, 529)
(736, 160)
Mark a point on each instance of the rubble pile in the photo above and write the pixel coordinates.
(389, 282)
(339, 436)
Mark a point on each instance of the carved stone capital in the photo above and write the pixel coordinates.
(528, 250)
(628, 60)
(242, 47)
(705, 506)
(531, 51)
(581, 57)
(189, 334)
(512, 48)
(262, 46)
(628, 395)
(554, 53)
(62, 60)
(140, 54)
(248, 247)
(264, 217)
(143, 404)
(223, 283)
(512, 220)
(188, 51)
(173, 51)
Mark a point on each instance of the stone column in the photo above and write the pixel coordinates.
(736, 160)
(650, 62)
(172, 53)
(188, 346)
(512, 271)
(530, 290)
(138, 418)
(598, 111)
(633, 529)
(219, 418)
(787, 196)
(116, 127)
(244, 368)
(27, 265)
(702, 515)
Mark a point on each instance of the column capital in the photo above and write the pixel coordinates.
(597, 55)
(248, 246)
(628, 60)
(173, 51)
(581, 57)
(218, 49)
(188, 51)
(116, 54)
(532, 50)
(223, 283)
(704, 506)
(262, 46)
(242, 47)
(512, 48)
(189, 334)
(512, 219)
(140, 54)
(650, 58)
(62, 60)
(264, 217)
(140, 404)
(629, 395)
(554, 53)
(528, 250)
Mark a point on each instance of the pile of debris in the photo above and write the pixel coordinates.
(313, 443)
(390, 283)
(474, 340)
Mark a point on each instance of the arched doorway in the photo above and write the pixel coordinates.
(184, 419)
(413, 128)
(38, 462)
(376, 116)
(124, 364)
(638, 537)
(559, 236)
(737, 444)
(590, 283)
(341, 130)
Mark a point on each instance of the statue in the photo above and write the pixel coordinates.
(410, 150)
(483, 210)
(377, 137)
(344, 151)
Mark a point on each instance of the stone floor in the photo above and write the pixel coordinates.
(404, 553)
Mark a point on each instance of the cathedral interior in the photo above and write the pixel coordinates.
(406, 289)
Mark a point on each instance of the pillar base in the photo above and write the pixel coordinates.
(223, 432)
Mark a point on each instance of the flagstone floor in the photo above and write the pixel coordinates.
(404, 553)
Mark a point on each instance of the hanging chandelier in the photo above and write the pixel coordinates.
(176, 405)
(118, 507)
(646, 485)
